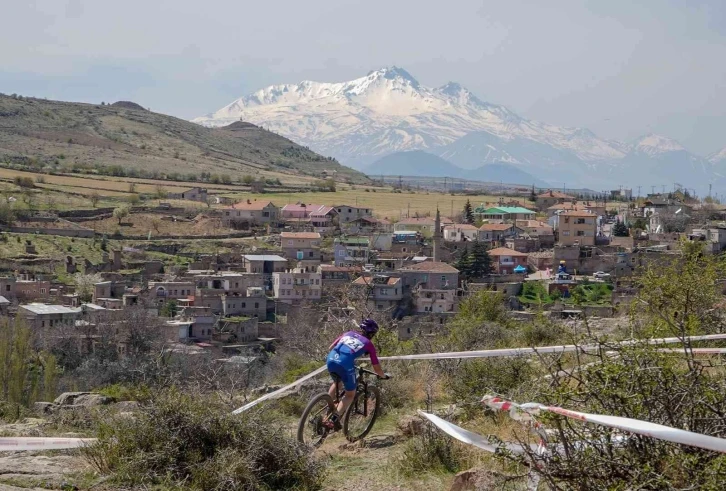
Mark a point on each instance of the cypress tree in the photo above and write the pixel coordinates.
(468, 213)
(481, 262)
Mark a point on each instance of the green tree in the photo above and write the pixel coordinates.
(620, 229)
(464, 264)
(481, 262)
(120, 213)
(533, 195)
(169, 309)
(94, 198)
(468, 214)
(7, 214)
(248, 179)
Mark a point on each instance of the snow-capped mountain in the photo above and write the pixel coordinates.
(389, 111)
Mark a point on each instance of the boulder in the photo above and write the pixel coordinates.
(410, 425)
(43, 408)
(85, 399)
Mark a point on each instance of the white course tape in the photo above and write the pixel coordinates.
(636, 426)
(281, 391)
(473, 354)
(26, 443)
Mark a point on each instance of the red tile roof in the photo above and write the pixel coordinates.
(555, 194)
(578, 213)
(505, 251)
(368, 280)
(495, 227)
(431, 267)
(460, 226)
(299, 235)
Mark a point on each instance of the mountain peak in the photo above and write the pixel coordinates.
(718, 157)
(653, 144)
(393, 73)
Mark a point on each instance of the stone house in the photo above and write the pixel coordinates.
(351, 251)
(381, 292)
(550, 197)
(301, 246)
(252, 212)
(193, 194)
(347, 213)
(576, 227)
(297, 285)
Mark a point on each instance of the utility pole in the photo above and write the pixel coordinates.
(652, 190)
(638, 192)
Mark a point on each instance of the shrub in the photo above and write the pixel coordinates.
(188, 442)
(432, 451)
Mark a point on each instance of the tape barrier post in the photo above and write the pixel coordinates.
(35, 443)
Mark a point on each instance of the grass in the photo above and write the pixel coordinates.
(385, 203)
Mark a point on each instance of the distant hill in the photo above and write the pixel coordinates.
(125, 134)
(414, 163)
(420, 163)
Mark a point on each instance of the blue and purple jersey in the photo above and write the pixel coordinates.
(353, 345)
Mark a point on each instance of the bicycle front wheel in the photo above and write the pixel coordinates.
(310, 429)
(362, 414)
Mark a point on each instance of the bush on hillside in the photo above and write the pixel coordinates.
(182, 441)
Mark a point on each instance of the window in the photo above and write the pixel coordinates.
(349, 210)
(566, 233)
(341, 253)
(300, 254)
(580, 221)
(257, 305)
(42, 323)
(317, 281)
(236, 284)
(265, 214)
(443, 279)
(42, 291)
(580, 233)
(310, 254)
(289, 242)
(7, 288)
(244, 304)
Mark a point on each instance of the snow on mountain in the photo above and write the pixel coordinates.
(388, 111)
(718, 157)
(653, 145)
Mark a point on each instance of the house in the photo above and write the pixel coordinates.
(324, 219)
(381, 292)
(505, 260)
(297, 285)
(298, 210)
(539, 230)
(431, 275)
(252, 304)
(496, 232)
(505, 213)
(39, 315)
(576, 227)
(4, 305)
(461, 232)
(424, 226)
(558, 208)
(367, 225)
(193, 194)
(161, 292)
(434, 301)
(550, 197)
(351, 251)
(302, 246)
(24, 288)
(265, 264)
(250, 212)
(331, 274)
(348, 213)
(108, 290)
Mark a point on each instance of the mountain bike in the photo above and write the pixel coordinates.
(357, 421)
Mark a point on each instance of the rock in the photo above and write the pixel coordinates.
(410, 425)
(476, 479)
(27, 470)
(85, 399)
(43, 407)
(126, 406)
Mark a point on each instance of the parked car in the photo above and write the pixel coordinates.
(601, 275)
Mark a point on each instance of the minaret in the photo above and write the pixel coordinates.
(437, 234)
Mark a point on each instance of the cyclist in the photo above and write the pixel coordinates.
(341, 365)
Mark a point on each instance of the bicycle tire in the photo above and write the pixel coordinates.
(314, 403)
(372, 390)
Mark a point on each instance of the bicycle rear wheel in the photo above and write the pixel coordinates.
(310, 429)
(362, 414)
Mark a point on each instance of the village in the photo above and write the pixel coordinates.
(548, 252)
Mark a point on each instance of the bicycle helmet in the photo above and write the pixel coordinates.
(369, 327)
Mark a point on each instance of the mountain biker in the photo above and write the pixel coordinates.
(341, 365)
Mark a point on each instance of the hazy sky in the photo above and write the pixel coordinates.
(617, 68)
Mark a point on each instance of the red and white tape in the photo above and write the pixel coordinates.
(37, 443)
(630, 425)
